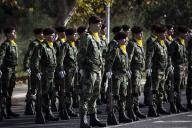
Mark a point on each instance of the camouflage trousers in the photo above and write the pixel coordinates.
(8, 83)
(179, 76)
(158, 82)
(90, 92)
(189, 85)
(136, 85)
(119, 91)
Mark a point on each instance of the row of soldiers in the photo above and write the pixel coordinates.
(67, 67)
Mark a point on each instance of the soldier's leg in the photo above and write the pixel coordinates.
(86, 92)
(155, 85)
(189, 90)
(31, 91)
(160, 96)
(122, 101)
(178, 76)
(47, 85)
(69, 88)
(75, 93)
(137, 76)
(130, 97)
(9, 78)
(147, 90)
(92, 106)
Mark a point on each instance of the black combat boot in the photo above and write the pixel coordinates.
(94, 121)
(39, 118)
(111, 119)
(161, 110)
(123, 117)
(49, 115)
(173, 108)
(181, 108)
(131, 114)
(29, 108)
(83, 122)
(63, 114)
(70, 112)
(138, 112)
(152, 112)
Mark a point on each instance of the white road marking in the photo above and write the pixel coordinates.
(161, 117)
(173, 121)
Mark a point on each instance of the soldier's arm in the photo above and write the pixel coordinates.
(110, 58)
(2, 53)
(149, 55)
(37, 58)
(27, 57)
(130, 50)
(61, 57)
(189, 49)
(82, 51)
(172, 51)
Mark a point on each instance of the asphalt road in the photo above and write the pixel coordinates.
(181, 120)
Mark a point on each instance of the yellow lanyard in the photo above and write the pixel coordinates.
(50, 44)
(123, 48)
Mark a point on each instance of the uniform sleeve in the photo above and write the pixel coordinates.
(149, 55)
(28, 55)
(110, 58)
(2, 53)
(37, 58)
(189, 49)
(82, 51)
(61, 57)
(130, 50)
(172, 51)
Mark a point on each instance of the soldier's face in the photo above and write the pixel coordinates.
(161, 36)
(50, 38)
(139, 36)
(12, 35)
(40, 36)
(171, 31)
(62, 34)
(184, 35)
(122, 41)
(96, 27)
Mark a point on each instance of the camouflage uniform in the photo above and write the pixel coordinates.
(90, 62)
(189, 82)
(158, 57)
(28, 62)
(147, 86)
(45, 63)
(119, 63)
(70, 65)
(8, 62)
(137, 63)
(179, 60)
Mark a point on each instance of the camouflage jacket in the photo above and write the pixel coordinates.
(29, 56)
(90, 54)
(157, 57)
(136, 56)
(45, 60)
(117, 61)
(8, 54)
(70, 59)
(178, 53)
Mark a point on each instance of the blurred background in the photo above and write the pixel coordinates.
(25, 15)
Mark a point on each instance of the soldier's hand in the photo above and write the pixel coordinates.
(129, 73)
(109, 74)
(62, 74)
(28, 71)
(39, 76)
(171, 68)
(81, 72)
(1, 73)
(148, 72)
